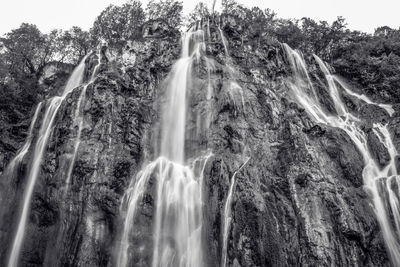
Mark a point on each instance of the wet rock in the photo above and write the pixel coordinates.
(315, 131)
(379, 151)
(341, 150)
(157, 29)
(299, 200)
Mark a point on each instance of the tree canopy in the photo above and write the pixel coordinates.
(369, 59)
(199, 12)
(119, 23)
(169, 10)
(26, 49)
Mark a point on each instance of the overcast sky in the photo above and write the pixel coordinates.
(364, 15)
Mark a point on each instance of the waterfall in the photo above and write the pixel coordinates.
(45, 130)
(299, 69)
(96, 68)
(16, 161)
(178, 220)
(132, 196)
(389, 109)
(67, 166)
(235, 90)
(224, 43)
(210, 93)
(79, 120)
(383, 184)
(208, 28)
(178, 202)
(228, 216)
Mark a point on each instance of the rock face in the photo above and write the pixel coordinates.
(299, 201)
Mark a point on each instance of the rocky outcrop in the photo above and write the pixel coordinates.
(299, 201)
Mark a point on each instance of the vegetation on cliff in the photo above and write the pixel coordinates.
(371, 61)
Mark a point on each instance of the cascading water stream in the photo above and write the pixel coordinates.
(208, 28)
(67, 166)
(210, 93)
(333, 91)
(382, 184)
(178, 206)
(96, 68)
(389, 109)
(178, 220)
(16, 161)
(234, 87)
(298, 66)
(228, 216)
(79, 120)
(224, 43)
(45, 130)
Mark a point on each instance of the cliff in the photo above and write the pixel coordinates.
(298, 199)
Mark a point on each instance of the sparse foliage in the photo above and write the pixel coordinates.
(79, 43)
(229, 6)
(199, 12)
(169, 10)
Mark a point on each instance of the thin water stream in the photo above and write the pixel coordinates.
(228, 215)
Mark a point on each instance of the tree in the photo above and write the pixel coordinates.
(24, 49)
(169, 10)
(199, 12)
(320, 37)
(3, 69)
(57, 45)
(119, 23)
(288, 31)
(24, 54)
(383, 31)
(78, 43)
(27, 51)
(228, 6)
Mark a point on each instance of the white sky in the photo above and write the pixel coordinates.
(365, 15)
